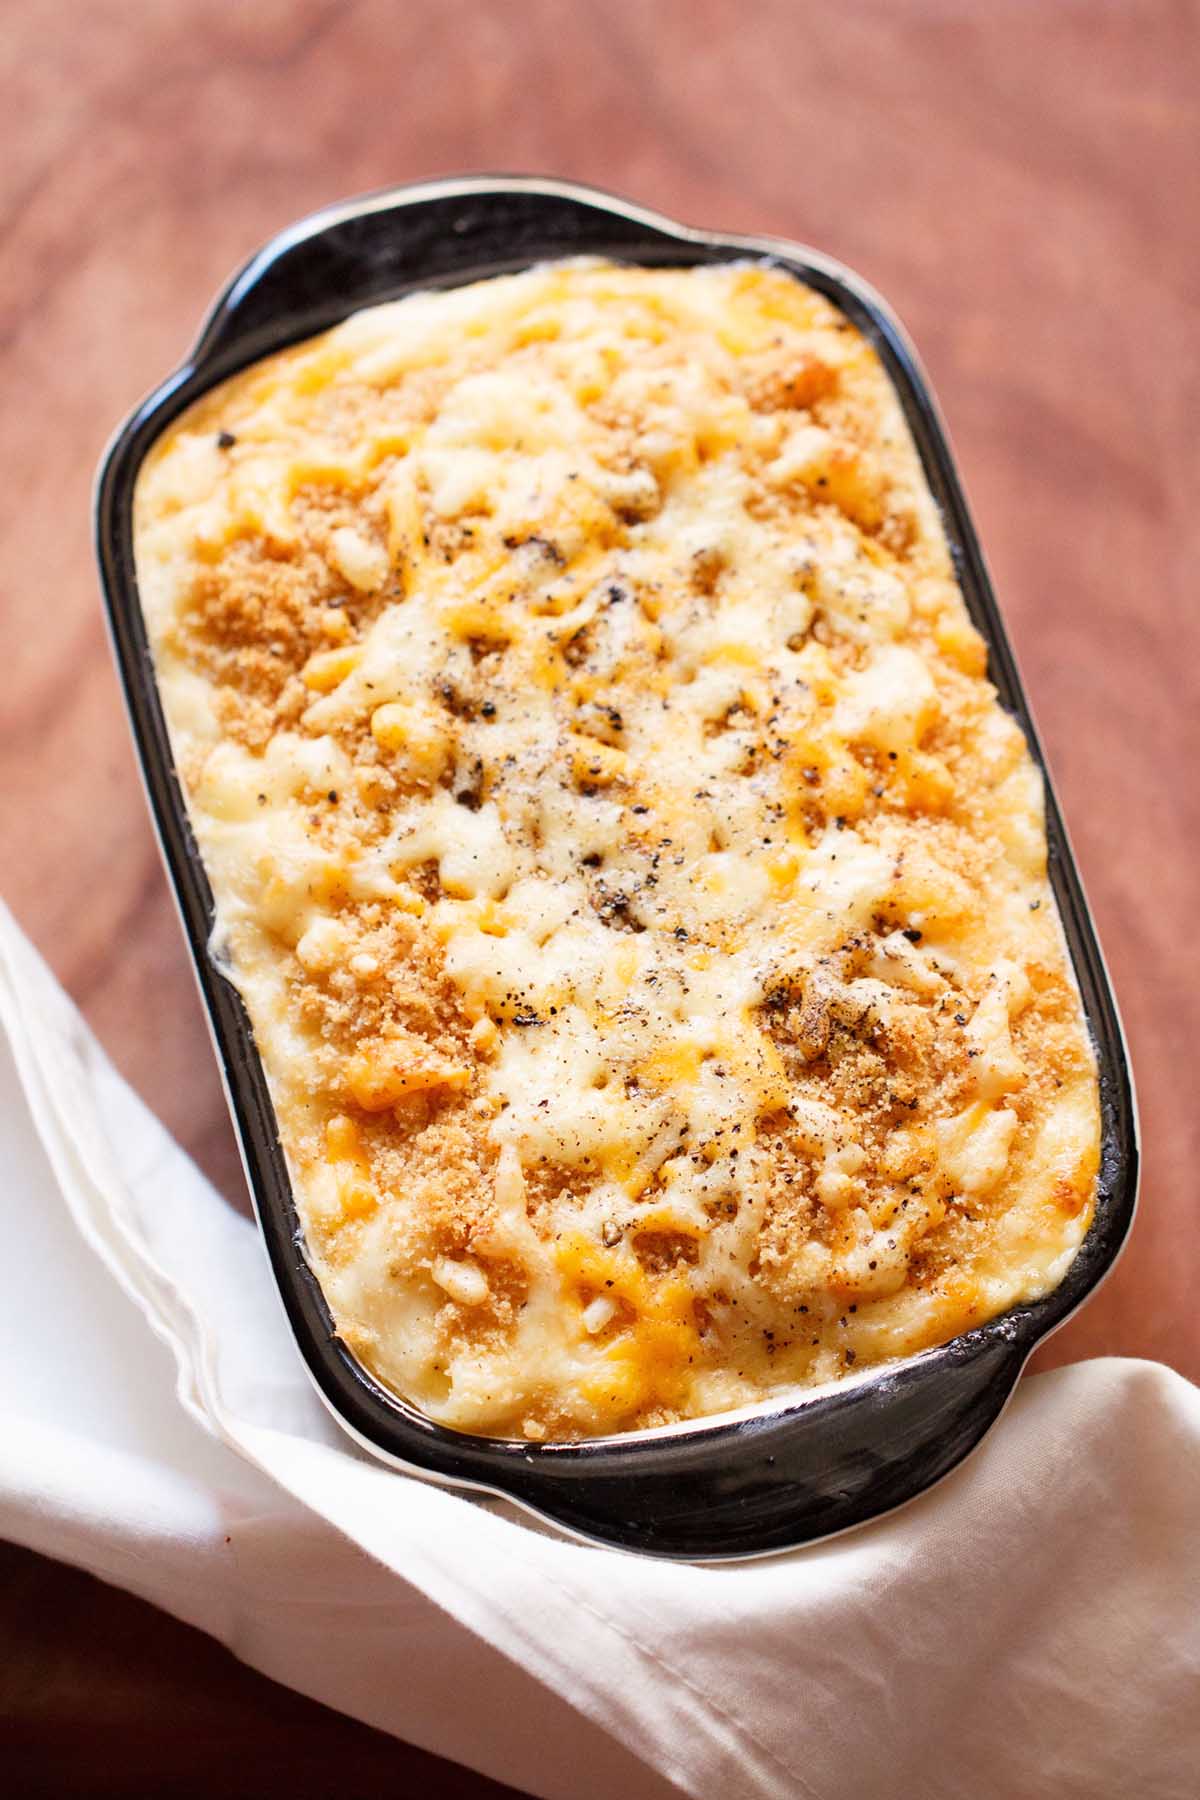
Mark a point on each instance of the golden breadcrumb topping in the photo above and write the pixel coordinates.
(638, 892)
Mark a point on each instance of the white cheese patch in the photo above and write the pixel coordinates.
(890, 702)
(975, 1146)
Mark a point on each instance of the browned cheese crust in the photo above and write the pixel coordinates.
(637, 891)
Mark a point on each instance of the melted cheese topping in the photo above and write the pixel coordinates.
(637, 892)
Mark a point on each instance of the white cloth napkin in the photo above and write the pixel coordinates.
(1031, 1628)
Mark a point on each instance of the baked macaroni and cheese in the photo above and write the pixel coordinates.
(636, 889)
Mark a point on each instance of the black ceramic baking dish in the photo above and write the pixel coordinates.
(789, 1471)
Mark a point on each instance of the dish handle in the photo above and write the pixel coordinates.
(830, 1463)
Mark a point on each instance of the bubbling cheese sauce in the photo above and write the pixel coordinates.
(637, 891)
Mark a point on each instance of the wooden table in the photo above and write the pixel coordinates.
(1022, 181)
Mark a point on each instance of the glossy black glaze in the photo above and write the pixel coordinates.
(789, 1473)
